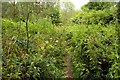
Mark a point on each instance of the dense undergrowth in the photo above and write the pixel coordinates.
(36, 41)
(93, 49)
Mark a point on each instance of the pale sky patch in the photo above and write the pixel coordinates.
(79, 3)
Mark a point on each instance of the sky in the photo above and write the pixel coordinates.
(79, 3)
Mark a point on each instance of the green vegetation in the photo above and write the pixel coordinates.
(36, 40)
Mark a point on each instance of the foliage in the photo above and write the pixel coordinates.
(94, 48)
(92, 41)
(93, 16)
(15, 53)
(98, 5)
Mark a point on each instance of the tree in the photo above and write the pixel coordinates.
(42, 9)
(98, 5)
(67, 12)
(96, 13)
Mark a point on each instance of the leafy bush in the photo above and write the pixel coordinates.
(94, 51)
(93, 48)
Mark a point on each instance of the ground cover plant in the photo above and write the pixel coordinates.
(41, 41)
